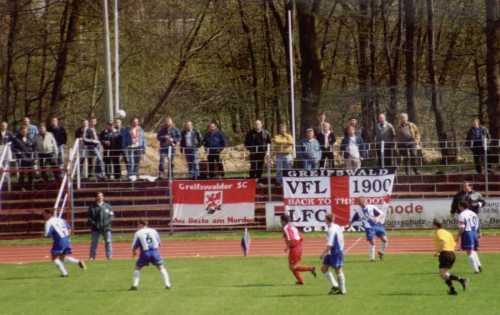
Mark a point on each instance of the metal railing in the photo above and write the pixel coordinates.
(64, 195)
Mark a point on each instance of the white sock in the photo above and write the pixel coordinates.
(371, 252)
(136, 277)
(472, 262)
(165, 276)
(331, 279)
(60, 266)
(384, 246)
(71, 260)
(341, 278)
(476, 257)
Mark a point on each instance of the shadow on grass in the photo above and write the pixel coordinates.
(291, 295)
(26, 278)
(407, 294)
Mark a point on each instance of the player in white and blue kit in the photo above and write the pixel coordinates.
(372, 220)
(468, 224)
(147, 241)
(333, 256)
(59, 230)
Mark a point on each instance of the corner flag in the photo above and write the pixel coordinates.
(245, 242)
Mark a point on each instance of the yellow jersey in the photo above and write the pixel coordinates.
(444, 241)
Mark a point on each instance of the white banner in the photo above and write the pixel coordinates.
(400, 214)
(419, 213)
(309, 195)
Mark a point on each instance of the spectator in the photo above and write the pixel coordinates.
(169, 137)
(60, 135)
(80, 131)
(309, 151)
(111, 144)
(100, 217)
(47, 150)
(214, 142)
(384, 131)
(190, 144)
(24, 149)
(5, 137)
(135, 142)
(477, 137)
(354, 123)
(256, 142)
(321, 121)
(352, 149)
(408, 138)
(467, 194)
(32, 129)
(283, 146)
(327, 139)
(79, 135)
(93, 149)
(122, 153)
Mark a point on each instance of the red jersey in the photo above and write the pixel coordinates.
(292, 234)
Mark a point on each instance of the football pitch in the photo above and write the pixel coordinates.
(401, 284)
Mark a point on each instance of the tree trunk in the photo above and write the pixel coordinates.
(275, 76)
(392, 55)
(439, 120)
(311, 75)
(253, 62)
(367, 112)
(68, 36)
(9, 59)
(409, 47)
(492, 58)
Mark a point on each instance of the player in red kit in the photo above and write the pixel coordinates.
(293, 241)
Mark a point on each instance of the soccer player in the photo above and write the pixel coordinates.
(59, 230)
(147, 240)
(445, 250)
(293, 241)
(468, 224)
(333, 256)
(372, 219)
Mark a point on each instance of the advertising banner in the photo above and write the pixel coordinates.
(214, 202)
(419, 213)
(309, 195)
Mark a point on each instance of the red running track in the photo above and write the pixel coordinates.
(219, 248)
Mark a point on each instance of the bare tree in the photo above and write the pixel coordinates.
(409, 47)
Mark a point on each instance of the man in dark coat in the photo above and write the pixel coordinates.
(100, 216)
(256, 142)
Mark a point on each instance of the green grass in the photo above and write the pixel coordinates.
(402, 284)
(232, 235)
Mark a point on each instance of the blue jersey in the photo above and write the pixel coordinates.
(369, 217)
(335, 239)
(468, 221)
(59, 230)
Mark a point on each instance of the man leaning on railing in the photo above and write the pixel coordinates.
(190, 144)
(384, 132)
(283, 147)
(309, 151)
(256, 141)
(408, 138)
(477, 137)
(168, 136)
(214, 142)
(47, 150)
(24, 150)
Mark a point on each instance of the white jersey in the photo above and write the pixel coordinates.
(335, 238)
(468, 220)
(56, 228)
(146, 239)
(369, 216)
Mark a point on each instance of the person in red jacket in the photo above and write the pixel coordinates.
(293, 241)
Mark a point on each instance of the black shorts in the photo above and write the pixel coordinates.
(446, 260)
